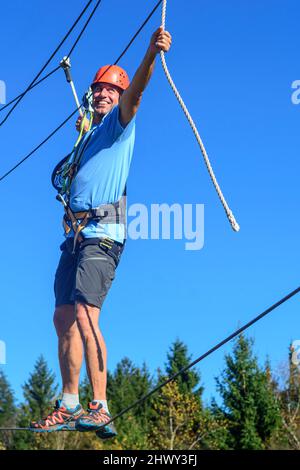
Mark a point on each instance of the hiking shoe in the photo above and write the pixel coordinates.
(95, 421)
(59, 419)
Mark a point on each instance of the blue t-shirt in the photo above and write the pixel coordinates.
(103, 172)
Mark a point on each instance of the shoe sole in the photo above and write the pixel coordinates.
(87, 427)
(58, 427)
(100, 430)
(103, 435)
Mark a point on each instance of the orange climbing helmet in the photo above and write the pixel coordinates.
(112, 74)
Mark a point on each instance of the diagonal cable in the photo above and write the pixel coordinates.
(215, 348)
(192, 364)
(58, 67)
(84, 28)
(47, 62)
(74, 112)
(38, 146)
(34, 85)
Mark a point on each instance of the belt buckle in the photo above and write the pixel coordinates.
(107, 243)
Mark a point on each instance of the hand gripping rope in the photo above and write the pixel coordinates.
(229, 213)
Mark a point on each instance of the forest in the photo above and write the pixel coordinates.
(255, 409)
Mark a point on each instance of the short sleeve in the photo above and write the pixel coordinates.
(111, 124)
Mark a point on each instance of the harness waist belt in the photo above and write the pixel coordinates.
(114, 213)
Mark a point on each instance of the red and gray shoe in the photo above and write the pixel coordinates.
(59, 419)
(95, 420)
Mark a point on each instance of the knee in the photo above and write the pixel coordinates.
(64, 319)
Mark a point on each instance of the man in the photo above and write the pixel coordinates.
(87, 265)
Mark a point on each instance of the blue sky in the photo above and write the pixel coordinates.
(234, 63)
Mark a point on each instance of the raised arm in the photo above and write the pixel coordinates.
(130, 100)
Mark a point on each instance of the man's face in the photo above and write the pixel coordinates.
(105, 97)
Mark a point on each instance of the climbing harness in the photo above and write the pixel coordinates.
(229, 213)
(114, 213)
(66, 169)
(64, 173)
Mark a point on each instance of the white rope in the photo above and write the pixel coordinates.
(229, 213)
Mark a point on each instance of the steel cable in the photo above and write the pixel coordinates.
(20, 97)
(74, 112)
(192, 364)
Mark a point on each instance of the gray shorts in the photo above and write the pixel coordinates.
(85, 276)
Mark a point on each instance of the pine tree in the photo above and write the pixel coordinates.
(125, 385)
(177, 359)
(289, 400)
(249, 403)
(218, 435)
(39, 392)
(7, 410)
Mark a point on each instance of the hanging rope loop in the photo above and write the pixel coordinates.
(229, 213)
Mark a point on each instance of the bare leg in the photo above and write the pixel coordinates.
(69, 346)
(87, 317)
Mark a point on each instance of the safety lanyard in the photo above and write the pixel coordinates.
(76, 157)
